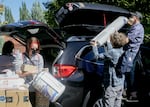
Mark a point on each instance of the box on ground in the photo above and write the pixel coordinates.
(14, 98)
(2, 98)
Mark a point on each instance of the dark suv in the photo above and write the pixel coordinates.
(80, 22)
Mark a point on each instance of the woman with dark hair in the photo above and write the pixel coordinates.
(7, 58)
(7, 48)
(32, 57)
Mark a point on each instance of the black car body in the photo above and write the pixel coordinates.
(80, 22)
(142, 74)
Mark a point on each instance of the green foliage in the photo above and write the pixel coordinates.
(37, 12)
(49, 15)
(1, 43)
(8, 15)
(147, 29)
(24, 12)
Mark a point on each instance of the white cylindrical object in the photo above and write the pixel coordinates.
(117, 24)
(49, 86)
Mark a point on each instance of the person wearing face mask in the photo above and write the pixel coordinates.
(32, 57)
(126, 65)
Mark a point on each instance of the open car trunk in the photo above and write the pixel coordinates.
(86, 18)
(24, 29)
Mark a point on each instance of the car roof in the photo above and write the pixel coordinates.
(26, 28)
(87, 17)
(21, 24)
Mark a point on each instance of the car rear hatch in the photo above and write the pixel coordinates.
(23, 29)
(87, 18)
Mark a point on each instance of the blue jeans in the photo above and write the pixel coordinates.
(130, 79)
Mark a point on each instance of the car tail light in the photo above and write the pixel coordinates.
(64, 70)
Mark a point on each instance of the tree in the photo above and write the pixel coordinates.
(24, 12)
(49, 15)
(37, 13)
(132, 5)
(2, 8)
(8, 15)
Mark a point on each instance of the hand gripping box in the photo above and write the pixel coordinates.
(28, 68)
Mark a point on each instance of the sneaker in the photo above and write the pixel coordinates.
(132, 100)
(124, 94)
(132, 97)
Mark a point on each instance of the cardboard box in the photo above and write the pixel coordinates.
(28, 68)
(15, 98)
(11, 83)
(2, 98)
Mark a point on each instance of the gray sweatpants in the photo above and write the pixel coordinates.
(112, 96)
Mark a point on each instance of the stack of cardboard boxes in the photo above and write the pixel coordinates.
(12, 92)
(14, 98)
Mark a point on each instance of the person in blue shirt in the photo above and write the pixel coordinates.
(113, 82)
(126, 65)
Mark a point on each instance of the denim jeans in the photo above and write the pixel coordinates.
(130, 79)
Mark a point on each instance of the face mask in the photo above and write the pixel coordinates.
(34, 51)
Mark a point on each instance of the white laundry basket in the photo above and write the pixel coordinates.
(48, 85)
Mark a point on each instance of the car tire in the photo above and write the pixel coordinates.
(98, 103)
(85, 102)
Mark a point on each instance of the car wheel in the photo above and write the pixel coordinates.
(92, 103)
(86, 100)
(98, 103)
